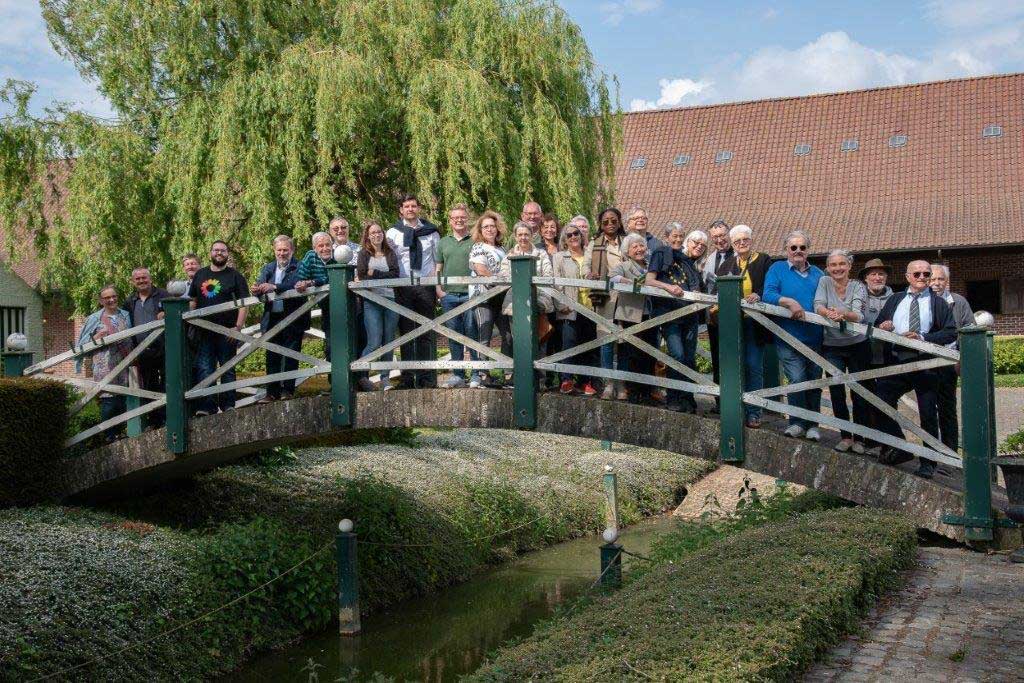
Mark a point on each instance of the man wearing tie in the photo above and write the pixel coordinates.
(720, 250)
(917, 313)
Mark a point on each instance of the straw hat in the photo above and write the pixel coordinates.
(874, 264)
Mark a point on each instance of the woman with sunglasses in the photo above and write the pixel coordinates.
(792, 284)
(575, 328)
(601, 256)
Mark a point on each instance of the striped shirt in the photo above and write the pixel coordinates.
(312, 267)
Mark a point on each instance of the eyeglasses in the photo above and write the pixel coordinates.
(742, 240)
(460, 219)
(339, 227)
(610, 221)
(488, 225)
(798, 247)
(573, 233)
(922, 275)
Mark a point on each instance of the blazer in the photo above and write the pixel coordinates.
(291, 276)
(563, 265)
(758, 270)
(943, 327)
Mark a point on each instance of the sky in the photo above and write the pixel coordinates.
(673, 53)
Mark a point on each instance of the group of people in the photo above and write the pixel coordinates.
(619, 250)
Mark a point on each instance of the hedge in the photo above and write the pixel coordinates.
(758, 605)
(1008, 355)
(81, 583)
(33, 426)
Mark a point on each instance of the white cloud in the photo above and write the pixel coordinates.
(615, 12)
(973, 14)
(673, 94)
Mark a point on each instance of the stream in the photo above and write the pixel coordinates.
(441, 637)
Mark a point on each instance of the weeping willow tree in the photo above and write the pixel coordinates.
(241, 120)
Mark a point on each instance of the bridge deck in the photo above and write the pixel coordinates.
(131, 465)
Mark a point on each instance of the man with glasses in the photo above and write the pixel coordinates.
(792, 284)
(920, 314)
(452, 257)
(339, 229)
(533, 215)
(720, 250)
(949, 425)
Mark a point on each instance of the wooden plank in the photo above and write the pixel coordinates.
(117, 369)
(432, 365)
(258, 381)
(845, 378)
(88, 347)
(116, 420)
(253, 301)
(635, 377)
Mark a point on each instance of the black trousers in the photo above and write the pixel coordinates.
(151, 378)
(924, 384)
(422, 300)
(290, 338)
(949, 426)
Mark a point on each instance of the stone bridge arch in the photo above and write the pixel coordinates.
(131, 465)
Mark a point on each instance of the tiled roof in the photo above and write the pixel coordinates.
(947, 187)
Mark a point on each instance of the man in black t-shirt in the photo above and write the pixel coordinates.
(215, 284)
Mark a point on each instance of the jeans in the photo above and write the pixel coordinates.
(290, 338)
(215, 350)
(463, 324)
(681, 340)
(423, 300)
(852, 358)
(753, 366)
(798, 368)
(381, 324)
(488, 316)
(574, 333)
(112, 406)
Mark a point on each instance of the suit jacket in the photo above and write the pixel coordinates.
(291, 276)
(758, 270)
(943, 325)
(708, 269)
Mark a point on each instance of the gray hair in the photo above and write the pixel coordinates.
(522, 224)
(739, 230)
(797, 233)
(634, 211)
(580, 217)
(284, 238)
(628, 242)
(672, 227)
(844, 253)
(697, 236)
(319, 235)
(945, 268)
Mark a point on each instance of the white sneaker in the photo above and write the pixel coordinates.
(795, 431)
(454, 382)
(813, 434)
(858, 447)
(474, 382)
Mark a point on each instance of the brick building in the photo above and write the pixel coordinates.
(932, 171)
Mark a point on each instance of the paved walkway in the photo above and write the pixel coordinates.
(960, 617)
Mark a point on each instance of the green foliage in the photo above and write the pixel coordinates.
(33, 426)
(756, 605)
(1014, 443)
(1008, 355)
(243, 120)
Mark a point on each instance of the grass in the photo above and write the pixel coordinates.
(80, 583)
(1009, 381)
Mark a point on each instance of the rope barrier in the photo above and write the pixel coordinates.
(449, 545)
(638, 556)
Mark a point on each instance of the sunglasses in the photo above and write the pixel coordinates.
(920, 275)
(572, 233)
(798, 247)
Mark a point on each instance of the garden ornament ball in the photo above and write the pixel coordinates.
(177, 288)
(16, 342)
(343, 254)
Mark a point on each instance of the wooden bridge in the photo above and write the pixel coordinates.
(963, 505)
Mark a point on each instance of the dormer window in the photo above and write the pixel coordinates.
(898, 140)
(723, 157)
(681, 160)
(802, 149)
(638, 163)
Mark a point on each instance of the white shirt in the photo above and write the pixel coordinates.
(901, 318)
(427, 245)
(278, 305)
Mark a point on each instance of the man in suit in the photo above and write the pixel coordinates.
(949, 425)
(920, 314)
(278, 277)
(719, 251)
(144, 306)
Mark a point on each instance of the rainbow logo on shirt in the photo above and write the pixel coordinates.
(210, 288)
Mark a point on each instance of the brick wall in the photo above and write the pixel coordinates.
(59, 330)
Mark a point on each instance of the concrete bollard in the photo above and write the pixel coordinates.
(348, 580)
(611, 552)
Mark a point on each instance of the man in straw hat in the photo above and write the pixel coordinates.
(875, 274)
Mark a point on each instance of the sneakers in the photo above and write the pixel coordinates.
(568, 387)
(813, 434)
(609, 392)
(589, 390)
(753, 423)
(659, 396)
(202, 413)
(622, 395)
(794, 431)
(858, 447)
(844, 445)
(474, 382)
(893, 456)
(365, 384)
(455, 382)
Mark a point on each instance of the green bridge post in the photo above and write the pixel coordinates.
(343, 343)
(524, 351)
(348, 580)
(990, 339)
(977, 420)
(15, 362)
(732, 439)
(177, 373)
(770, 364)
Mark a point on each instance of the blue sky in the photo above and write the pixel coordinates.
(673, 53)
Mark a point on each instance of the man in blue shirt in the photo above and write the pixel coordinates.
(792, 284)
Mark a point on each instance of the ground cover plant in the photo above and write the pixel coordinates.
(83, 583)
(753, 599)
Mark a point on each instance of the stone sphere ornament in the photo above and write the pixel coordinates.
(984, 319)
(610, 535)
(345, 526)
(177, 288)
(343, 254)
(16, 342)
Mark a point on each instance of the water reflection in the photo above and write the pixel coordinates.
(441, 637)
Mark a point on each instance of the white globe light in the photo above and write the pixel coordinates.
(609, 468)
(345, 526)
(343, 254)
(177, 288)
(984, 319)
(610, 535)
(17, 342)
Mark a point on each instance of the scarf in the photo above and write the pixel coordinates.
(411, 237)
(600, 256)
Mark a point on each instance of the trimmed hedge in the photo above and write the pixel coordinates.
(1008, 355)
(33, 425)
(79, 584)
(758, 605)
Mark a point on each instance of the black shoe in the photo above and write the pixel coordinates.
(926, 470)
(674, 406)
(893, 456)
(287, 395)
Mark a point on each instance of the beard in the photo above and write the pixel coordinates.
(219, 260)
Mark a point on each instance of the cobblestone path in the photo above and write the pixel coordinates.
(960, 617)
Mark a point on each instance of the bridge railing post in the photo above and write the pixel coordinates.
(177, 373)
(978, 421)
(342, 312)
(525, 346)
(732, 439)
(15, 362)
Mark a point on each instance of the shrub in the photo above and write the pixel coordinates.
(1008, 355)
(256, 362)
(1014, 443)
(758, 605)
(33, 426)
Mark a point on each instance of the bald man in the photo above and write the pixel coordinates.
(919, 314)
